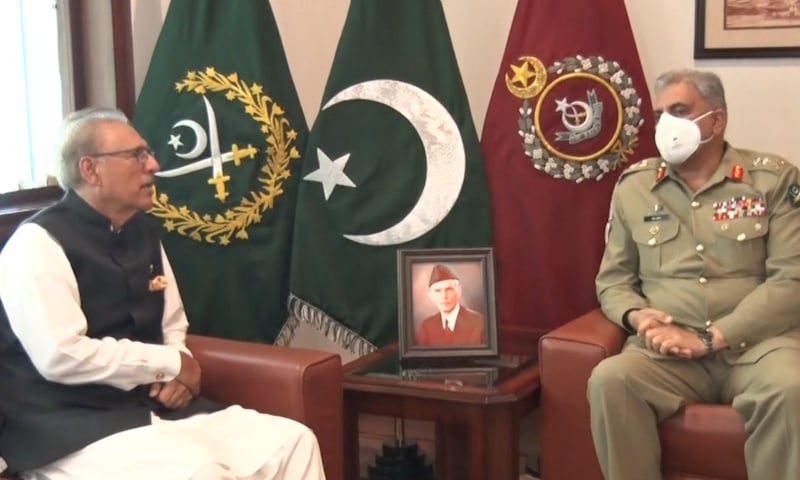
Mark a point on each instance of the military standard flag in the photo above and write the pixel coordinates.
(569, 111)
(220, 110)
(393, 161)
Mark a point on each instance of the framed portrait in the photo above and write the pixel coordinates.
(446, 304)
(747, 28)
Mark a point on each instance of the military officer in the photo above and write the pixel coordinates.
(702, 267)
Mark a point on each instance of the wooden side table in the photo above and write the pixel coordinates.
(476, 407)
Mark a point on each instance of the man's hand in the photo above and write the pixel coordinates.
(173, 394)
(673, 340)
(647, 318)
(190, 374)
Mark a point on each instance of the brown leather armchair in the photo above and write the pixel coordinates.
(305, 385)
(699, 442)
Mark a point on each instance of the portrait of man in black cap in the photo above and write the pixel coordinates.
(454, 324)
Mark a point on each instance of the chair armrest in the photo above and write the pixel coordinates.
(304, 385)
(567, 356)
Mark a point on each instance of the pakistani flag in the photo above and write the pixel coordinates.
(220, 110)
(393, 162)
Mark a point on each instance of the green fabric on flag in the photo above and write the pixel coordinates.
(228, 239)
(393, 147)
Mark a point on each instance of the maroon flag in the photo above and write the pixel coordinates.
(569, 111)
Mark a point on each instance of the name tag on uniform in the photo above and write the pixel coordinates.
(658, 217)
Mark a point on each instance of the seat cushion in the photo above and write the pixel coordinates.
(703, 441)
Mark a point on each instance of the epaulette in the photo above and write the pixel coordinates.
(772, 163)
(641, 166)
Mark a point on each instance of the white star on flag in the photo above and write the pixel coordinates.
(175, 141)
(330, 173)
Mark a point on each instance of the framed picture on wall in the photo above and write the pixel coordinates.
(747, 28)
(446, 304)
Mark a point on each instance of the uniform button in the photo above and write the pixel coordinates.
(160, 376)
(757, 226)
(695, 204)
(743, 345)
(741, 237)
(702, 280)
(651, 242)
(653, 230)
(700, 248)
(724, 227)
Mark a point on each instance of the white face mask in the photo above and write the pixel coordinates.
(678, 138)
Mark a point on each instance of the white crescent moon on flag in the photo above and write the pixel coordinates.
(444, 156)
(201, 141)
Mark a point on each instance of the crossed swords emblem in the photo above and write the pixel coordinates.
(217, 158)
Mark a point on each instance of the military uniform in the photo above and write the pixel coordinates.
(728, 253)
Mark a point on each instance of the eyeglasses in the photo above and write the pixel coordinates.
(140, 154)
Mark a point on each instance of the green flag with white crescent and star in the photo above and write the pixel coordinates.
(219, 108)
(393, 162)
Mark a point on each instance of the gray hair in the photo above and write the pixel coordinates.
(707, 83)
(78, 138)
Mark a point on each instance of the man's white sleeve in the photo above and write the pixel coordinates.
(175, 323)
(40, 294)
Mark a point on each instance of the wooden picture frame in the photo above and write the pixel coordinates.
(746, 29)
(434, 280)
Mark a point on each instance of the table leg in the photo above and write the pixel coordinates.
(450, 451)
(488, 444)
(352, 458)
(478, 449)
(502, 443)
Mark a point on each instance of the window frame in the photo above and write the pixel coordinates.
(18, 205)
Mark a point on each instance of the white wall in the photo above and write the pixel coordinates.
(763, 95)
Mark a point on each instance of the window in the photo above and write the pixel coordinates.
(33, 93)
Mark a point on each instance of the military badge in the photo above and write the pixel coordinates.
(739, 207)
(737, 173)
(662, 172)
(581, 123)
(793, 195)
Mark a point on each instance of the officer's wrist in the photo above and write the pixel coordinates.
(718, 339)
(706, 336)
(626, 323)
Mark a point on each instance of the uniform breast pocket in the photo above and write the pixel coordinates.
(742, 243)
(657, 242)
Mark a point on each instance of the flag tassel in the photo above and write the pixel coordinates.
(301, 310)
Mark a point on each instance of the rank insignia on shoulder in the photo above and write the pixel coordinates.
(641, 164)
(767, 163)
(793, 195)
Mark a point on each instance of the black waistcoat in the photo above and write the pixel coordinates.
(44, 420)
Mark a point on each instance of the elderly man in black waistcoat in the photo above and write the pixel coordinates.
(95, 379)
